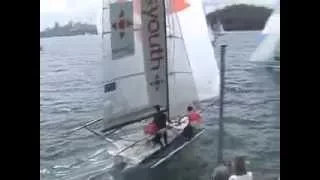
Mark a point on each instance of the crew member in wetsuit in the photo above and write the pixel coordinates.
(160, 120)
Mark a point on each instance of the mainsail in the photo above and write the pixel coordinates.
(155, 51)
(151, 58)
(126, 91)
(135, 62)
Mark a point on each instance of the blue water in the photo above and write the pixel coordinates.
(71, 92)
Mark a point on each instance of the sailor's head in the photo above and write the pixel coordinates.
(239, 166)
(189, 108)
(157, 107)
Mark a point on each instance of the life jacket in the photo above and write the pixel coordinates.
(194, 117)
(151, 128)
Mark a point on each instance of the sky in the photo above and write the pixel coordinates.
(62, 11)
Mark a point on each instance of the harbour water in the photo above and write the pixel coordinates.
(71, 92)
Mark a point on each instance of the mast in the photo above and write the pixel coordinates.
(221, 127)
(166, 55)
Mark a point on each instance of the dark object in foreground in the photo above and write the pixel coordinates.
(221, 172)
(188, 132)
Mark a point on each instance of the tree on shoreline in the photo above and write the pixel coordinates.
(240, 17)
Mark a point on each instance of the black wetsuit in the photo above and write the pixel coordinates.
(160, 120)
(188, 132)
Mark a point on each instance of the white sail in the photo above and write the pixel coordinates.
(155, 51)
(210, 29)
(270, 45)
(131, 90)
(99, 19)
(126, 96)
(272, 25)
(182, 89)
(200, 51)
(192, 68)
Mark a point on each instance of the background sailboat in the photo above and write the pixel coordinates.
(269, 48)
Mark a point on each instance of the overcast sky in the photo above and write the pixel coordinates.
(87, 10)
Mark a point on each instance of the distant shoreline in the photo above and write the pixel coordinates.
(234, 18)
(241, 17)
(70, 29)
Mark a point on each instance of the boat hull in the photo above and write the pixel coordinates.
(174, 147)
(144, 153)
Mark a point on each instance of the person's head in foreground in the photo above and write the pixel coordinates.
(239, 170)
(221, 172)
(240, 166)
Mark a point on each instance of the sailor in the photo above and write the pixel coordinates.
(240, 172)
(194, 118)
(160, 120)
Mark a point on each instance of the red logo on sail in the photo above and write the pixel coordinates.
(122, 24)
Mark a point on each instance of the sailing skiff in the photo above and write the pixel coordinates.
(152, 55)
